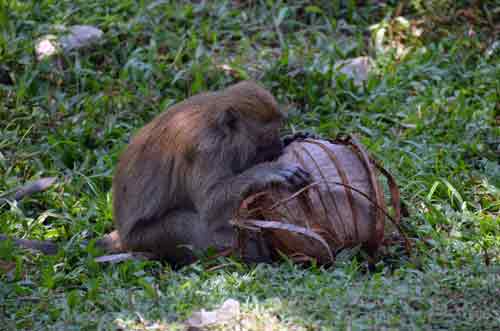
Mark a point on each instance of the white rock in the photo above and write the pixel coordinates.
(76, 37)
(46, 46)
(80, 36)
(229, 310)
(356, 68)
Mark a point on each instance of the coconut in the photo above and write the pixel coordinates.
(343, 207)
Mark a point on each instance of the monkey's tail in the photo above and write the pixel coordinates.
(110, 244)
(46, 247)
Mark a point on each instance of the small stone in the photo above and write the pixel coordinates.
(356, 68)
(80, 36)
(46, 46)
(229, 310)
(76, 37)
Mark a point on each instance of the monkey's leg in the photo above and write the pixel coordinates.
(175, 237)
(180, 234)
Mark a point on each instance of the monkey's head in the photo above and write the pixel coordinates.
(237, 127)
(248, 121)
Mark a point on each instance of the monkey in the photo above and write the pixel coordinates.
(184, 174)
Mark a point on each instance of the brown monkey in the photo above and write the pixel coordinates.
(184, 174)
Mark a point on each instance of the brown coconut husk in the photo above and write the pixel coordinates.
(344, 207)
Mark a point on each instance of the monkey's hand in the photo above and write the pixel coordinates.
(301, 135)
(287, 175)
(225, 196)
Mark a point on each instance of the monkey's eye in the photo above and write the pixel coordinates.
(232, 124)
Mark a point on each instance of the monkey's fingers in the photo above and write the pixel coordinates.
(301, 135)
(296, 177)
(301, 178)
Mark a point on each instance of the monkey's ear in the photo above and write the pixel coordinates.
(227, 120)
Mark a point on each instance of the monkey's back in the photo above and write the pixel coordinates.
(150, 177)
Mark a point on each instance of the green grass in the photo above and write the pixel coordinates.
(431, 117)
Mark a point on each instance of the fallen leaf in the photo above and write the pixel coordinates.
(229, 310)
(36, 186)
(116, 258)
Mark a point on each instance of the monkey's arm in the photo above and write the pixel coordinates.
(220, 202)
(224, 196)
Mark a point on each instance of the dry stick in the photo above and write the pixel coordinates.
(30, 188)
(395, 196)
(379, 196)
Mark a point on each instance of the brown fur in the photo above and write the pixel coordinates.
(184, 174)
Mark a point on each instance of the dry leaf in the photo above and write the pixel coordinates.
(229, 310)
(36, 186)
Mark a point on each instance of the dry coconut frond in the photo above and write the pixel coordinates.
(344, 206)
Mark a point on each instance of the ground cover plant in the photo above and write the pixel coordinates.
(429, 110)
